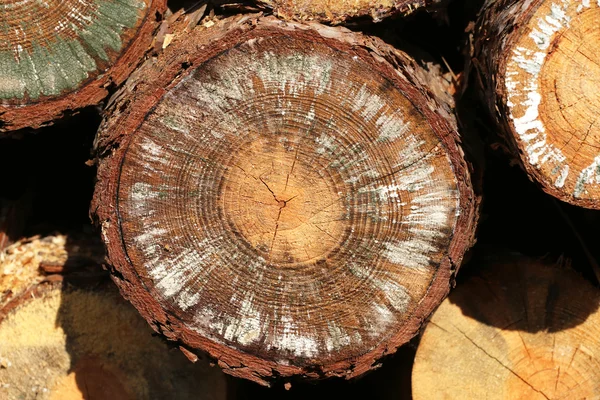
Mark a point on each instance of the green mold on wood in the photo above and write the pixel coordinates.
(60, 45)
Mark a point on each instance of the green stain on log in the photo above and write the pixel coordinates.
(59, 64)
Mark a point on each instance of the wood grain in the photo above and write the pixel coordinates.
(70, 335)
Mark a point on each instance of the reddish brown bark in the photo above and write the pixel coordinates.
(340, 11)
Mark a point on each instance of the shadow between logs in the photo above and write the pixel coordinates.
(513, 292)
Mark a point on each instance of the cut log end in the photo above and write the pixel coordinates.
(62, 55)
(548, 76)
(65, 342)
(520, 329)
(290, 205)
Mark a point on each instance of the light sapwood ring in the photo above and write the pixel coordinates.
(541, 71)
(283, 197)
(58, 56)
(519, 329)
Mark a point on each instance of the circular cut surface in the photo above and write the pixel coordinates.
(520, 330)
(552, 80)
(287, 200)
(50, 48)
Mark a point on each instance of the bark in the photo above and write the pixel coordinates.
(66, 333)
(339, 11)
(518, 329)
(291, 199)
(59, 56)
(538, 68)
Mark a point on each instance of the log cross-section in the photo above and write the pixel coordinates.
(519, 329)
(540, 68)
(282, 197)
(59, 55)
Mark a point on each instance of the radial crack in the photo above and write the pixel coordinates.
(501, 364)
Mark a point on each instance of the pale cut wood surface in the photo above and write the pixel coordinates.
(81, 340)
(519, 329)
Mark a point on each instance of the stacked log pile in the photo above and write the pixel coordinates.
(291, 200)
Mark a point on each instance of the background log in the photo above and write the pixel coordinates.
(65, 333)
(338, 11)
(291, 199)
(538, 67)
(59, 56)
(518, 329)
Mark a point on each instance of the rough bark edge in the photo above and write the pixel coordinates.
(287, 9)
(145, 88)
(499, 25)
(45, 112)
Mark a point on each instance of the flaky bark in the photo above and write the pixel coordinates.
(59, 56)
(341, 10)
(65, 333)
(291, 199)
(518, 329)
(538, 66)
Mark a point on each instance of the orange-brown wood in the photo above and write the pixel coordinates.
(338, 11)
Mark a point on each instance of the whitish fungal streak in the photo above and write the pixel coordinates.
(522, 84)
(589, 175)
(292, 341)
(430, 216)
(288, 75)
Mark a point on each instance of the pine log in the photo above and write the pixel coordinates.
(57, 56)
(67, 341)
(519, 329)
(339, 11)
(291, 199)
(539, 67)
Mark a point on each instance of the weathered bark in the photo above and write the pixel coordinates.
(80, 339)
(338, 11)
(59, 56)
(518, 329)
(538, 67)
(291, 199)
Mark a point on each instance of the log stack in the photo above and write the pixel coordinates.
(290, 199)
